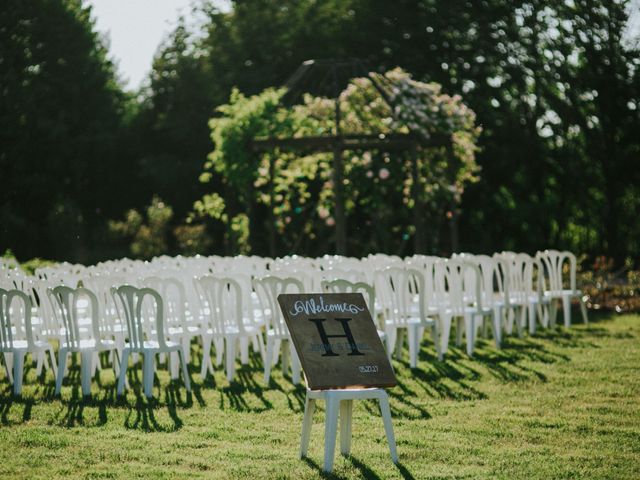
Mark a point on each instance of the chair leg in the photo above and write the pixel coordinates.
(54, 367)
(309, 407)
(330, 431)
(566, 310)
(95, 363)
(509, 317)
(390, 340)
(8, 365)
(174, 364)
(276, 352)
(459, 323)
(258, 339)
(445, 332)
(399, 341)
(553, 312)
(532, 318)
(346, 414)
(18, 372)
(295, 365)
(219, 343)
(206, 357)
(115, 361)
(268, 359)
(123, 370)
(520, 323)
(285, 356)
(185, 371)
(470, 332)
(435, 334)
(230, 357)
(412, 337)
(86, 367)
(388, 426)
(186, 347)
(583, 310)
(62, 367)
(40, 359)
(148, 369)
(244, 350)
(496, 318)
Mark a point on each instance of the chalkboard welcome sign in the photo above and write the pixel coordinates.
(336, 340)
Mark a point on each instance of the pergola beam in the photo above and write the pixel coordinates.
(329, 143)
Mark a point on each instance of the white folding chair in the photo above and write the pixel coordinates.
(278, 338)
(227, 325)
(68, 300)
(149, 339)
(554, 264)
(16, 335)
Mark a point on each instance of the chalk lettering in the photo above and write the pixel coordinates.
(311, 307)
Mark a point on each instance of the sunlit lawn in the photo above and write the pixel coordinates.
(563, 404)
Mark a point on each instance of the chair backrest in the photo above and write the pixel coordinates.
(101, 285)
(268, 289)
(67, 300)
(130, 301)
(426, 265)
(248, 298)
(346, 286)
(457, 286)
(494, 278)
(520, 274)
(553, 262)
(399, 291)
(174, 297)
(352, 275)
(11, 329)
(224, 298)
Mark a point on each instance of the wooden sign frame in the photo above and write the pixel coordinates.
(337, 341)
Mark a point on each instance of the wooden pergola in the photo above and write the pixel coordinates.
(329, 78)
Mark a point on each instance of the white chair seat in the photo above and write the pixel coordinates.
(153, 345)
(192, 330)
(234, 331)
(88, 344)
(23, 346)
(427, 322)
(562, 293)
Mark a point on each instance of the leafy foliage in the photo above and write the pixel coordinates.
(149, 235)
(292, 186)
(555, 87)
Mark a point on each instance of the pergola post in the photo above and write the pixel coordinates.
(420, 235)
(338, 187)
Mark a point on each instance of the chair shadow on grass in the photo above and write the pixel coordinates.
(457, 377)
(363, 469)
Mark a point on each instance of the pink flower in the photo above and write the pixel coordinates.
(330, 221)
(323, 212)
(369, 174)
(383, 174)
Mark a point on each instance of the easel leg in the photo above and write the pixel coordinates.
(346, 411)
(388, 426)
(330, 430)
(309, 408)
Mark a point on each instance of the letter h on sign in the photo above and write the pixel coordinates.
(328, 352)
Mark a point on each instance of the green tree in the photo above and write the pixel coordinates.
(60, 118)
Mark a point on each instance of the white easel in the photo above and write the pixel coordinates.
(342, 401)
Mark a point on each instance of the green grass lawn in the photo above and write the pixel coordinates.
(562, 404)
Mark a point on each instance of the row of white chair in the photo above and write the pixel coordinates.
(231, 311)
